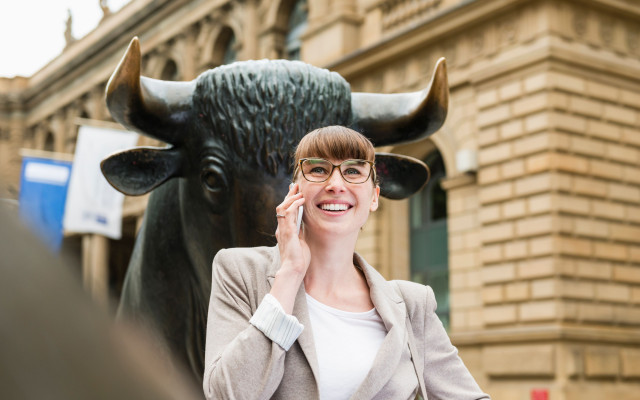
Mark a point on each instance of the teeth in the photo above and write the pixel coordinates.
(334, 207)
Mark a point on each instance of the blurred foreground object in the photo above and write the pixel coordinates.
(56, 344)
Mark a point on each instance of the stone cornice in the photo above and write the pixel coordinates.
(563, 53)
(449, 23)
(546, 333)
(460, 180)
(99, 51)
(330, 20)
(108, 34)
(412, 38)
(620, 6)
(66, 77)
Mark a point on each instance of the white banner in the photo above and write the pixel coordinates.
(93, 206)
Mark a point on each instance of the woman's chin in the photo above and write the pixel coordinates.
(331, 230)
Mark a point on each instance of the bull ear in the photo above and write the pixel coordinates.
(400, 176)
(402, 117)
(138, 171)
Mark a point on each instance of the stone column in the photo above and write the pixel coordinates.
(251, 21)
(332, 34)
(189, 54)
(95, 267)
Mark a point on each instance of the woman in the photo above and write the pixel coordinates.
(310, 318)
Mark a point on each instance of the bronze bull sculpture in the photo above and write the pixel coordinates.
(230, 135)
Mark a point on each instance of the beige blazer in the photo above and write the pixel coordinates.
(242, 363)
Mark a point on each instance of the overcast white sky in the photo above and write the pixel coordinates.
(32, 31)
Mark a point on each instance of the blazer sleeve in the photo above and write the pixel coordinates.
(445, 375)
(240, 361)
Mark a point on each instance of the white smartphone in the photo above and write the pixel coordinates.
(300, 209)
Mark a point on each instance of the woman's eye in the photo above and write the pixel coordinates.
(352, 171)
(318, 170)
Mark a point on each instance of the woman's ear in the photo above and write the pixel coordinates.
(375, 198)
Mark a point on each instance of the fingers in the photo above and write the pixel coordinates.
(290, 205)
(289, 210)
(285, 207)
(287, 213)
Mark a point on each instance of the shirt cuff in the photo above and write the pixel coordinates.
(276, 324)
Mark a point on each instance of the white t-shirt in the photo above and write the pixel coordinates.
(346, 346)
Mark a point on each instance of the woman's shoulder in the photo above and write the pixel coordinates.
(419, 298)
(244, 254)
(246, 260)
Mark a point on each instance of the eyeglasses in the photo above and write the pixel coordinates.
(352, 171)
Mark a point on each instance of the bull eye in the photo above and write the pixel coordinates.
(210, 180)
(213, 179)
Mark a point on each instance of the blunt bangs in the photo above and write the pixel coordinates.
(335, 143)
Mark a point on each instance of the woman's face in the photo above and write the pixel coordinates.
(335, 206)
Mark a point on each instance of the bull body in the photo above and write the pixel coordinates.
(231, 134)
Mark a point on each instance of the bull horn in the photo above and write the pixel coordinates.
(403, 117)
(152, 107)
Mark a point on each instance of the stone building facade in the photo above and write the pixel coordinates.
(540, 155)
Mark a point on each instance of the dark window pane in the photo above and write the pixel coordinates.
(49, 142)
(297, 26)
(170, 71)
(438, 201)
(230, 51)
(429, 237)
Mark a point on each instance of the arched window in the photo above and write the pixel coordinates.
(170, 71)
(224, 48)
(429, 236)
(229, 55)
(297, 26)
(49, 142)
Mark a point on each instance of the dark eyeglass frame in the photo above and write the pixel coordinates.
(334, 166)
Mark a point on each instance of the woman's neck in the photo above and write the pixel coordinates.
(332, 278)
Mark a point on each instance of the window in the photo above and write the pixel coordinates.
(49, 142)
(297, 26)
(429, 236)
(170, 71)
(230, 49)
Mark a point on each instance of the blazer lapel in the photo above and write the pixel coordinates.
(300, 311)
(393, 312)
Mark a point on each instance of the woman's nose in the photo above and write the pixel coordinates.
(335, 181)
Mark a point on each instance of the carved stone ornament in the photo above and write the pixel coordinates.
(633, 39)
(579, 22)
(606, 30)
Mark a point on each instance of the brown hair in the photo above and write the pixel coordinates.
(335, 142)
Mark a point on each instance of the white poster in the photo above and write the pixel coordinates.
(94, 206)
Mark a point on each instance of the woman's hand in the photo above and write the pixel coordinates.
(294, 251)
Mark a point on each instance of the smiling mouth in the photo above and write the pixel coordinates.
(334, 207)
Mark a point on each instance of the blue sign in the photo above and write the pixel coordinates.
(43, 193)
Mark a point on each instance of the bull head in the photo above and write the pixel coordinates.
(162, 109)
